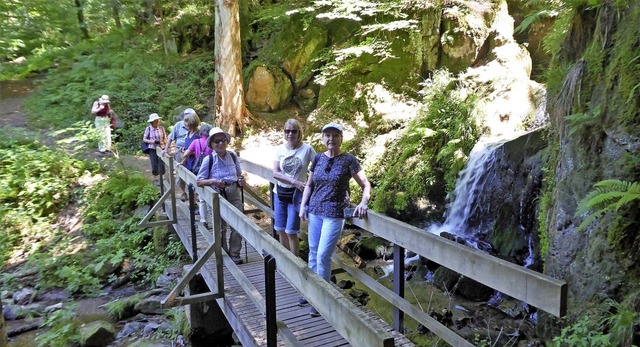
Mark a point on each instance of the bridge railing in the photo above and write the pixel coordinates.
(338, 310)
(534, 288)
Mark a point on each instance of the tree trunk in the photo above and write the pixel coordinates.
(115, 7)
(231, 112)
(81, 22)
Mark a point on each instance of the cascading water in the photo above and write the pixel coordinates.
(470, 181)
(466, 216)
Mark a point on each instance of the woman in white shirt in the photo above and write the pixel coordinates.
(290, 170)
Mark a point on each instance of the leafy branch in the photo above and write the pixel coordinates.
(608, 196)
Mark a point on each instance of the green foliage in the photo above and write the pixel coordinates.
(608, 196)
(580, 121)
(112, 228)
(614, 327)
(38, 180)
(432, 151)
(35, 183)
(179, 323)
(64, 330)
(121, 308)
(139, 80)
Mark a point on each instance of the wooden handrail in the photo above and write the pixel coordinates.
(539, 290)
(349, 321)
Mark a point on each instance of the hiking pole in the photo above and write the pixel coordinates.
(246, 255)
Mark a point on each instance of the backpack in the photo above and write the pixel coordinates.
(191, 161)
(197, 162)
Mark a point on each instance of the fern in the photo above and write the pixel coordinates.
(608, 196)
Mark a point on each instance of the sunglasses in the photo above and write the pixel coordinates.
(224, 139)
(327, 168)
(292, 131)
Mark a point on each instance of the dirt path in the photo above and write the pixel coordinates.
(12, 96)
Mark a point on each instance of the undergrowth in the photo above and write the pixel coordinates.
(35, 184)
(430, 154)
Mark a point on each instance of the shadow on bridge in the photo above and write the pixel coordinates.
(259, 297)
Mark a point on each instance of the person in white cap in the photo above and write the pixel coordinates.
(182, 130)
(155, 137)
(221, 171)
(325, 200)
(101, 108)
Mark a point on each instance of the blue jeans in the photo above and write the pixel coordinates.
(286, 214)
(324, 233)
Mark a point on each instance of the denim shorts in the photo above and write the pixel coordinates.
(286, 214)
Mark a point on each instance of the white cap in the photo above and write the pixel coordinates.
(332, 125)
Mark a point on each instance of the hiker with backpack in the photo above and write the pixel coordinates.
(193, 157)
(221, 171)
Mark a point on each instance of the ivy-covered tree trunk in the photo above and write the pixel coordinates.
(115, 10)
(229, 91)
(81, 22)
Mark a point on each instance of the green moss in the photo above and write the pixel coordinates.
(545, 207)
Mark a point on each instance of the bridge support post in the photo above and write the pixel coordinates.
(270, 299)
(192, 221)
(398, 286)
(208, 323)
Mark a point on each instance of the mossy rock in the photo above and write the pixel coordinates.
(370, 248)
(298, 62)
(99, 333)
(268, 89)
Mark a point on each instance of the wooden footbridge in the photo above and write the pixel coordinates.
(259, 298)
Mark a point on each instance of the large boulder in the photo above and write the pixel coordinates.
(268, 89)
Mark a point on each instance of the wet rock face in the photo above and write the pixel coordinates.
(503, 214)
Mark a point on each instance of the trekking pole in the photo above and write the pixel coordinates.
(246, 255)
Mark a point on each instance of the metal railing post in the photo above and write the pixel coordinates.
(192, 221)
(398, 286)
(270, 299)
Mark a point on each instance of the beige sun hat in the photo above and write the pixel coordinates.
(104, 99)
(153, 117)
(215, 131)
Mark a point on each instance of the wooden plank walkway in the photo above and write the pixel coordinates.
(245, 318)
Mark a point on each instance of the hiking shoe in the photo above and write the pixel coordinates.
(206, 225)
(313, 312)
(237, 261)
(303, 302)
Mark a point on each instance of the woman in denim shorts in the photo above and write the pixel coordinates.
(290, 166)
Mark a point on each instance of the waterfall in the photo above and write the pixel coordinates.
(469, 184)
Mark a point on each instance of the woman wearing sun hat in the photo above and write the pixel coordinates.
(326, 197)
(155, 136)
(101, 109)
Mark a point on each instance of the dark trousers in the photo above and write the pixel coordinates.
(157, 166)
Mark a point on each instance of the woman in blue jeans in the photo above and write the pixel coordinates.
(327, 195)
(290, 166)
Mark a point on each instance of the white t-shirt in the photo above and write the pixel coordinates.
(294, 163)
